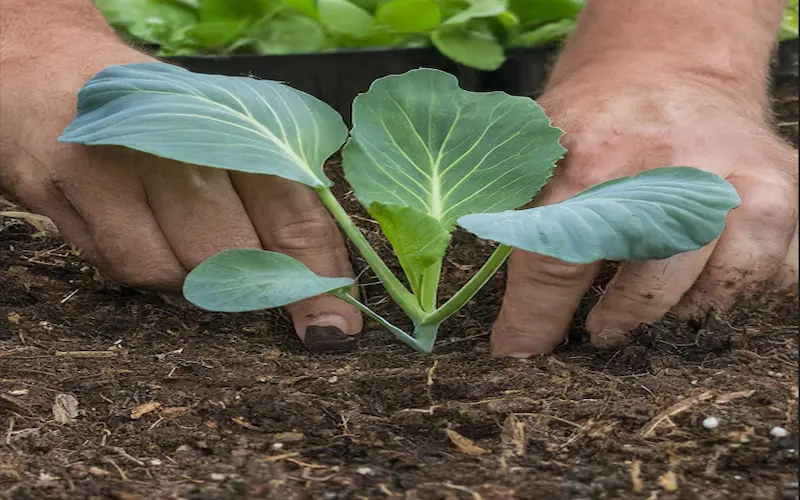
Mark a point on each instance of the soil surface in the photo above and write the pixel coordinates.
(180, 403)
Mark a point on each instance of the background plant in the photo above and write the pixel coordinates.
(471, 32)
(423, 157)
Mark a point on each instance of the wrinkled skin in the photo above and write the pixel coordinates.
(146, 221)
(615, 129)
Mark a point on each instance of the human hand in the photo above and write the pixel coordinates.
(145, 221)
(619, 122)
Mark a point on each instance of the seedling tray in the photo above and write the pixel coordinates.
(338, 77)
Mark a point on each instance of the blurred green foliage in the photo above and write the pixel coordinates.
(472, 32)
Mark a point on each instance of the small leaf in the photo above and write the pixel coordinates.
(409, 16)
(242, 280)
(342, 17)
(654, 215)
(235, 123)
(418, 240)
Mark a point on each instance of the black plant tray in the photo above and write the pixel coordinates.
(338, 77)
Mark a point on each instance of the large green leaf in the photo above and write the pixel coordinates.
(418, 240)
(250, 280)
(235, 123)
(654, 215)
(420, 141)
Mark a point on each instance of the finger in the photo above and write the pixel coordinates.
(788, 273)
(642, 293)
(541, 297)
(197, 208)
(750, 251)
(105, 189)
(290, 219)
(41, 196)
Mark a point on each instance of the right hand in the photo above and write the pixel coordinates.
(146, 221)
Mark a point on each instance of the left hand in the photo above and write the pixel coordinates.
(618, 124)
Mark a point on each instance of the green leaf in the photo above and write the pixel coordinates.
(789, 26)
(152, 21)
(539, 11)
(409, 16)
(216, 34)
(289, 33)
(243, 280)
(418, 240)
(550, 32)
(654, 215)
(420, 141)
(235, 123)
(479, 9)
(307, 7)
(471, 48)
(219, 10)
(341, 17)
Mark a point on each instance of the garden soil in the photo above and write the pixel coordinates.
(172, 402)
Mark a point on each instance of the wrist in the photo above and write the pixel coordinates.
(725, 45)
(35, 28)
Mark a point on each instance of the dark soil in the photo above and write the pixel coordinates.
(239, 409)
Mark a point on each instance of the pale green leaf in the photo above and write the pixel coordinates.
(418, 240)
(342, 17)
(250, 280)
(654, 215)
(235, 123)
(420, 141)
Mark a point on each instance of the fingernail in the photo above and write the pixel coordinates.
(327, 335)
(518, 355)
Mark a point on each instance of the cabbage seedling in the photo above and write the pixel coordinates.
(423, 157)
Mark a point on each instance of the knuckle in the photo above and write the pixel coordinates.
(547, 271)
(311, 230)
(772, 208)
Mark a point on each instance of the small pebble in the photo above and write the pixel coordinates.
(365, 471)
(155, 462)
(778, 432)
(277, 446)
(711, 423)
(216, 476)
